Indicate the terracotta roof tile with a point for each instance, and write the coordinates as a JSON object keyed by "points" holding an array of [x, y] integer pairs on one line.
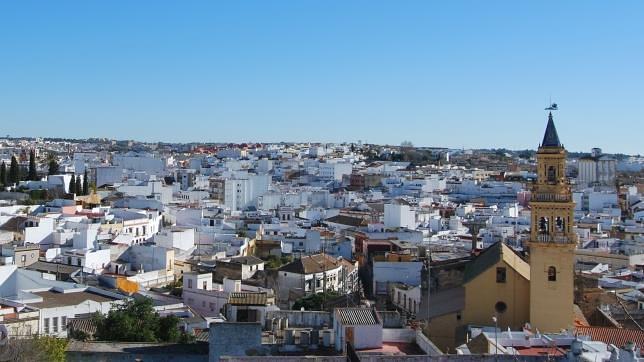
{"points": [[616, 336]]}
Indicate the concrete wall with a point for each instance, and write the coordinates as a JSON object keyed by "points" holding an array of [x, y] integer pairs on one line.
{"points": [[401, 272], [405, 335], [427, 345], [308, 319], [134, 351], [234, 339], [150, 257]]}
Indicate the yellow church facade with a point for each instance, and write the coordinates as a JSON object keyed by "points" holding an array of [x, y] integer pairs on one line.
{"points": [[500, 284]]}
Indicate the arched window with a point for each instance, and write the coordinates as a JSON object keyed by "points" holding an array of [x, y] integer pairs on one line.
{"points": [[560, 224], [552, 274], [552, 174], [543, 225]]}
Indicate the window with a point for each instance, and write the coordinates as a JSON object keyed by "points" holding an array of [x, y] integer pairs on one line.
{"points": [[55, 324], [552, 174], [500, 275], [552, 274], [500, 307], [46, 325], [78, 262], [23, 258], [205, 285], [560, 224], [63, 323], [543, 225], [189, 283]]}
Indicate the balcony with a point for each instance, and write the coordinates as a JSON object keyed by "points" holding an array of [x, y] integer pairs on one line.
{"points": [[554, 239], [549, 197]]}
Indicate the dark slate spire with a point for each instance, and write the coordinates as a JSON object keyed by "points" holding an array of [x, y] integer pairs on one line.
{"points": [[550, 138]]}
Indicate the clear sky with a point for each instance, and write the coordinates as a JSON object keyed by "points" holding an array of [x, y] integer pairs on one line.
{"points": [[438, 73]]}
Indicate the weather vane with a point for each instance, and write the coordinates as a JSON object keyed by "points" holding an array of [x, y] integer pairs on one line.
{"points": [[552, 107]]}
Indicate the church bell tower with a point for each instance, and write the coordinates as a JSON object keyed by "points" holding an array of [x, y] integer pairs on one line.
{"points": [[552, 241]]}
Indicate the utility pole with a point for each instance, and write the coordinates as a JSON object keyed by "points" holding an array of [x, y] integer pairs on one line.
{"points": [[496, 336]]}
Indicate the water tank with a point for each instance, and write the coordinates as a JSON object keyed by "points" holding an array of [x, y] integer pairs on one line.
{"points": [[326, 338]]}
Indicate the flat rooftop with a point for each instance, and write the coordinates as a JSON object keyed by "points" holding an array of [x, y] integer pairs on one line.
{"points": [[395, 349], [56, 299]]}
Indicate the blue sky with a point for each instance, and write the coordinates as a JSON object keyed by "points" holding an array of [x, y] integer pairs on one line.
{"points": [[450, 73]]}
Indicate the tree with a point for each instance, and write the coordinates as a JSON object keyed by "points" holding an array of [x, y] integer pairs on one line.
{"points": [[406, 144], [314, 301], [78, 186], [54, 348], [85, 183], [136, 321], [34, 348], [3, 174], [32, 175], [53, 164], [14, 171], [72, 184], [168, 331]]}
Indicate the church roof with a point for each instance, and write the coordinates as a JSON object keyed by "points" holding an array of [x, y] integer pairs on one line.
{"points": [[550, 138], [490, 257]]}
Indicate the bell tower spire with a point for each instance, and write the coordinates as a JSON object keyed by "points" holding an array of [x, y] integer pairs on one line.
{"points": [[552, 241], [551, 138]]}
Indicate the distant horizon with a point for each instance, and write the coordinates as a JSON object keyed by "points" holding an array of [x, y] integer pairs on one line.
{"points": [[463, 73], [311, 142]]}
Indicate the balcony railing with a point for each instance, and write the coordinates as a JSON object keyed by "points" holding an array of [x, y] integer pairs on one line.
{"points": [[548, 197], [555, 239]]}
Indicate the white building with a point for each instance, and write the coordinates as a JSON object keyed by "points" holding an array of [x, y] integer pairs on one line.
{"points": [[597, 169], [361, 326], [176, 238], [334, 171], [405, 297], [90, 260], [108, 175], [394, 268], [400, 216], [208, 298], [56, 301], [310, 274], [139, 162], [240, 193]]}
